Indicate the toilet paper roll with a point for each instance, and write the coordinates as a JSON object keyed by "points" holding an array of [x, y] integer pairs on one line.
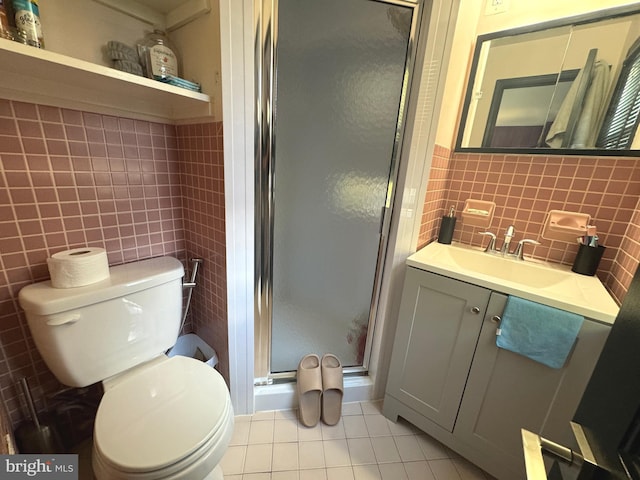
{"points": [[78, 267]]}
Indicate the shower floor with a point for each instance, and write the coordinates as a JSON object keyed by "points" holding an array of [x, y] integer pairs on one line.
{"points": [[298, 331]]}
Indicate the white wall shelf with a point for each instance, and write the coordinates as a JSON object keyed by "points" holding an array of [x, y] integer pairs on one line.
{"points": [[34, 75]]}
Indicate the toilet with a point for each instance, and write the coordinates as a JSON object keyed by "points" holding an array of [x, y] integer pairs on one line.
{"points": [[160, 417]]}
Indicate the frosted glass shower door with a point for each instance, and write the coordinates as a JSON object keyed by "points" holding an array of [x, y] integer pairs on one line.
{"points": [[339, 81]]}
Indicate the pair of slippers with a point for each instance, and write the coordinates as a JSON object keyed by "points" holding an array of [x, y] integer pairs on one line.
{"points": [[320, 389]]}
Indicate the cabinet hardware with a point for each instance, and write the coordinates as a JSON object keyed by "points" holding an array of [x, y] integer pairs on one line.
{"points": [[496, 319], [475, 310]]}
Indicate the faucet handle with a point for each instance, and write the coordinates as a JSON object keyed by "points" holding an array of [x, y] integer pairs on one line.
{"points": [[491, 246], [519, 253]]}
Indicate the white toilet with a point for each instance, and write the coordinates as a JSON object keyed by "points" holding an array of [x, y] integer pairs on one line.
{"points": [[160, 417]]}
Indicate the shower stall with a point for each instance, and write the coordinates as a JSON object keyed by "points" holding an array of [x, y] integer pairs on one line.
{"points": [[332, 80]]}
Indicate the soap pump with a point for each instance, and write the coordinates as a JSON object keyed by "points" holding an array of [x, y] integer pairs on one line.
{"points": [[447, 226]]}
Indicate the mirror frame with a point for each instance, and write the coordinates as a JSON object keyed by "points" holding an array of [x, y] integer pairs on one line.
{"points": [[583, 19]]}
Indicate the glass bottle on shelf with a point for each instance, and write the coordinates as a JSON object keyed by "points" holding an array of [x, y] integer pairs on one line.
{"points": [[27, 18], [160, 58]]}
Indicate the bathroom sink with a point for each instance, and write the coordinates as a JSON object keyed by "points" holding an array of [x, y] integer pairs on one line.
{"points": [[527, 272], [547, 283]]}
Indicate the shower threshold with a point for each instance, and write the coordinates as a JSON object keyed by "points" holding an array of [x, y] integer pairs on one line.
{"points": [[282, 395]]}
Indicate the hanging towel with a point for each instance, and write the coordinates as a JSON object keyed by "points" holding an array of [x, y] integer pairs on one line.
{"points": [[586, 130], [542, 333]]}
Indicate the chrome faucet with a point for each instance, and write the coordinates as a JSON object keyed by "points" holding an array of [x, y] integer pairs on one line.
{"points": [[491, 246], [508, 235], [519, 251]]}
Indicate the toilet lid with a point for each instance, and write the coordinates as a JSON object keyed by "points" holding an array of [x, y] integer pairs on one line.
{"points": [[159, 414]]}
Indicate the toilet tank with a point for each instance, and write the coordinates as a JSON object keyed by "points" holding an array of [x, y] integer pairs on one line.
{"points": [[88, 334]]}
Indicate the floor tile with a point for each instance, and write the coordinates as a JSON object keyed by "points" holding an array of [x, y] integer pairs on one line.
{"points": [[266, 415], [467, 470], [233, 460], [432, 448], [285, 457], [311, 455], [361, 451], [366, 472], [364, 445], [385, 450], [444, 469], [240, 433], [355, 426], [306, 434], [371, 408], [315, 474], [332, 432], [418, 471], [402, 427], [291, 475], [392, 471], [340, 473], [377, 425], [256, 476], [286, 414], [352, 408], [258, 458], [261, 432], [336, 453], [285, 430], [409, 448]]}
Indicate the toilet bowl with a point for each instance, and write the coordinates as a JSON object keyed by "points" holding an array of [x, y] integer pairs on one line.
{"points": [[160, 417], [169, 418]]}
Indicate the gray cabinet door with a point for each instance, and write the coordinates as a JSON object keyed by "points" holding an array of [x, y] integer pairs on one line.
{"points": [[438, 327], [507, 392]]}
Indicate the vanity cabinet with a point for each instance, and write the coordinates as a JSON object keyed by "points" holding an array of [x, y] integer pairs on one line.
{"points": [[434, 344], [448, 377]]}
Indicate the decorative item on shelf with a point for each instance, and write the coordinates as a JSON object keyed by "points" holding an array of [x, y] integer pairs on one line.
{"points": [[27, 18], [447, 225], [161, 61], [180, 82], [478, 213], [124, 57], [565, 226], [159, 56]]}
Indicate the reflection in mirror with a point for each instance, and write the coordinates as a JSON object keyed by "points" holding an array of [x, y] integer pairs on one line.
{"points": [[522, 109], [570, 86]]}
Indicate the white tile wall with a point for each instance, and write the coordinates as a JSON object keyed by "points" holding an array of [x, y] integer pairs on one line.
{"points": [[364, 445]]}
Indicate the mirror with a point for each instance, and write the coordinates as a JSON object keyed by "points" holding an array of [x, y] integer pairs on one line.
{"points": [[571, 87]]}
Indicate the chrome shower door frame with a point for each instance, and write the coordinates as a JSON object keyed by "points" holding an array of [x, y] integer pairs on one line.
{"points": [[266, 28]]}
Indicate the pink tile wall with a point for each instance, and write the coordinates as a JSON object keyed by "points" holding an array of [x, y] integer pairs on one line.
{"points": [[525, 188], [70, 179], [202, 178]]}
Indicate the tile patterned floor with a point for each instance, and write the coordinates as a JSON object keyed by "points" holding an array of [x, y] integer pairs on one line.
{"points": [[364, 445]]}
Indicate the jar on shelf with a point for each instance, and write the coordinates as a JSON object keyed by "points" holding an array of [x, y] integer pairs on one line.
{"points": [[159, 56], [5, 26], [27, 18]]}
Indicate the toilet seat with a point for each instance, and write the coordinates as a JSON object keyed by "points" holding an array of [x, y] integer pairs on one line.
{"points": [[164, 419]]}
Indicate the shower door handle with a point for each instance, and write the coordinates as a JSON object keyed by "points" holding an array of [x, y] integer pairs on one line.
{"points": [[381, 226]]}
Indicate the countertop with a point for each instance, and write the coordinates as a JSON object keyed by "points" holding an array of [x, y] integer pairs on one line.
{"points": [[550, 284]]}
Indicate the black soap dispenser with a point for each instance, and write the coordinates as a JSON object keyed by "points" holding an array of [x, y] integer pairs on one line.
{"points": [[447, 226]]}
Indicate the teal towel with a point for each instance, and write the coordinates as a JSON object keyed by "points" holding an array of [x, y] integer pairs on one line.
{"points": [[544, 334]]}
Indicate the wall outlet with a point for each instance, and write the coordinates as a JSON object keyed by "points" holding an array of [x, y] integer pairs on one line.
{"points": [[496, 6]]}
